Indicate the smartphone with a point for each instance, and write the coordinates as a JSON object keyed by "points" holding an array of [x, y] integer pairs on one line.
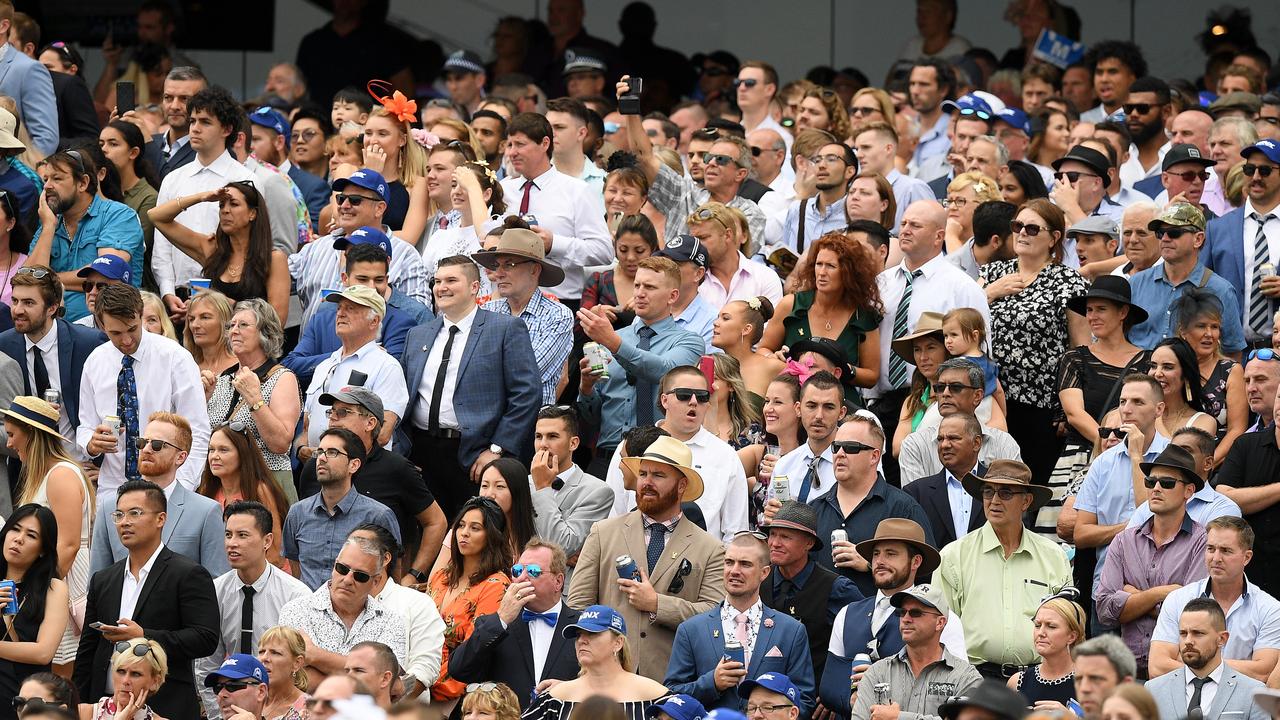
{"points": [[707, 365], [357, 378], [126, 97], [629, 104], [99, 625]]}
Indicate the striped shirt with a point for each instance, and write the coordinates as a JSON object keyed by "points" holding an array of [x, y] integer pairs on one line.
{"points": [[550, 327], [318, 266]]}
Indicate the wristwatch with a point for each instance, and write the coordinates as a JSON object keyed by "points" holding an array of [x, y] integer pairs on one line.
{"points": [[496, 449], [257, 406], [418, 575]]}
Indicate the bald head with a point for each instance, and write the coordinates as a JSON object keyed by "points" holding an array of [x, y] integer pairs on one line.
{"points": [[921, 234], [768, 153], [1192, 127]]}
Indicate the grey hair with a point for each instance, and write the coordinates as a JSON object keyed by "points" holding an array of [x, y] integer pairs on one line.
{"points": [[270, 334], [976, 377], [1245, 131], [1002, 152], [1144, 206], [184, 73], [366, 546], [298, 77], [1113, 649]]}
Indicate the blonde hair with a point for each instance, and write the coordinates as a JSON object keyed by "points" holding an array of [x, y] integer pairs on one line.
{"points": [[43, 452], [156, 658], [501, 701], [741, 412], [292, 641], [152, 302], [1139, 697], [663, 266], [984, 187], [413, 159], [221, 307], [970, 321], [464, 132], [882, 98], [1072, 615]]}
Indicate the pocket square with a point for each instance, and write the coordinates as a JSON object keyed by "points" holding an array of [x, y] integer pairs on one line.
{"points": [[773, 652]]}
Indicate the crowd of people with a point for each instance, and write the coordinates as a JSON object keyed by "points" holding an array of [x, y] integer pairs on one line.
{"points": [[594, 381]]}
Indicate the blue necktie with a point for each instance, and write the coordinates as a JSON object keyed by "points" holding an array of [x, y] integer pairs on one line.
{"points": [[530, 617], [127, 402], [809, 477], [657, 541], [645, 408]]}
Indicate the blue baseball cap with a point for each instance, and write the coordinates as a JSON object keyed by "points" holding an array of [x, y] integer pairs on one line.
{"points": [[272, 120], [685, 248], [367, 235], [597, 618], [1014, 118], [364, 178], [1266, 147], [678, 707], [112, 267], [970, 105], [238, 667], [773, 682]]}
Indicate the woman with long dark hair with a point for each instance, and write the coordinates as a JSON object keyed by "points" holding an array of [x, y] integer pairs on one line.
{"points": [[1174, 366], [235, 471], [46, 688], [30, 559], [506, 482], [471, 584], [782, 434], [124, 145], [238, 258], [1020, 181], [15, 240]]}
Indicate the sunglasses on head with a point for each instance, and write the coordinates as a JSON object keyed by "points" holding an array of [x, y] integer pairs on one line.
{"points": [[1166, 483], [139, 649], [718, 159], [1173, 232], [1140, 108], [35, 705], [1262, 354], [1106, 432], [482, 687], [532, 569], [849, 447], [156, 444], [358, 575], [1190, 175], [954, 388], [982, 114], [749, 82], [1262, 170], [1031, 229], [1072, 176], [914, 613], [686, 394], [37, 273]]}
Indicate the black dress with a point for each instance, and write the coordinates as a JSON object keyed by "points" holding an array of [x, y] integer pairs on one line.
{"points": [[1034, 688], [27, 627]]}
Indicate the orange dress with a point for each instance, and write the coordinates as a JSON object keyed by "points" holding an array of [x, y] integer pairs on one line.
{"points": [[459, 617], [274, 554]]}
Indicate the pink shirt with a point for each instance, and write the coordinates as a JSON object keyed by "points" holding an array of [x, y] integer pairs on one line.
{"points": [[751, 280]]}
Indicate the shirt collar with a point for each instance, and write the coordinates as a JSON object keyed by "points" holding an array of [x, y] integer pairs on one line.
{"points": [[960, 480], [146, 567], [360, 351], [659, 327], [571, 476], [1216, 675], [990, 541], [47, 343], [1147, 528], [465, 323], [1195, 277], [799, 580], [669, 524]]}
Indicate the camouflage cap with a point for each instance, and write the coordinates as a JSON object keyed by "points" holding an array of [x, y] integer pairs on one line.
{"points": [[1179, 215]]}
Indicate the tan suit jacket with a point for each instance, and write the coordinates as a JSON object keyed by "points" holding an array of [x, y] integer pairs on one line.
{"points": [[595, 582]]}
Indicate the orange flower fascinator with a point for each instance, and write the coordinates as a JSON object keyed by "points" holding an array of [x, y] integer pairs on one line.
{"points": [[396, 104]]}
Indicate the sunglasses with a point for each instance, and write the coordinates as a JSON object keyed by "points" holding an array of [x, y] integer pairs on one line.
{"points": [[983, 114], [304, 136], [156, 444], [233, 686], [954, 388], [1166, 483], [749, 82], [35, 705], [1263, 354], [482, 687], [1072, 176], [1031, 229], [1106, 432], [355, 200], [9, 210], [757, 151], [37, 273], [533, 570], [677, 583], [685, 394], [849, 447], [1173, 233], [1140, 108], [341, 413], [1004, 493], [718, 159], [706, 134], [1190, 175], [96, 286], [1271, 120], [139, 650], [914, 613], [863, 111], [1262, 170], [359, 575]]}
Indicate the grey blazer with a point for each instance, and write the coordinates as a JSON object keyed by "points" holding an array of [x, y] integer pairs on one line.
{"points": [[1233, 701], [193, 528]]}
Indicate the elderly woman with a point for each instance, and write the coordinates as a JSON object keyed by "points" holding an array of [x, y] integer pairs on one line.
{"points": [[258, 392], [600, 641], [1031, 328], [1057, 627], [1199, 322], [205, 334], [964, 195], [138, 669]]}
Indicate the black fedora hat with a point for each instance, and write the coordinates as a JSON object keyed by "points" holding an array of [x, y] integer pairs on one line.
{"points": [[1113, 288], [1176, 458], [1088, 156]]}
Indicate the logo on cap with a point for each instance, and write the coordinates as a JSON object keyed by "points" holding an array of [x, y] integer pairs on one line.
{"points": [[360, 233], [1193, 152], [1266, 144], [231, 661], [674, 243], [677, 700], [591, 615], [359, 174]]}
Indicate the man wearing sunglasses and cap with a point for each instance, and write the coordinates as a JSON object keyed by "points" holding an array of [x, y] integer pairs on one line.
{"points": [[680, 568], [1080, 187], [996, 576], [240, 686]]}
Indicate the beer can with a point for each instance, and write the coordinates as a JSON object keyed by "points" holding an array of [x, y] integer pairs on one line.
{"points": [[113, 421], [839, 535], [781, 485], [883, 693], [627, 569], [597, 358], [1267, 269], [858, 661], [11, 607], [53, 397], [733, 650]]}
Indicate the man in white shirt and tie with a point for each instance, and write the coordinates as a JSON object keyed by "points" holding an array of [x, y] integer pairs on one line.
{"points": [[821, 410], [567, 214]]}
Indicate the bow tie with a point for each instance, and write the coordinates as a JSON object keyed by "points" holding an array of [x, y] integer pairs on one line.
{"points": [[530, 616]]}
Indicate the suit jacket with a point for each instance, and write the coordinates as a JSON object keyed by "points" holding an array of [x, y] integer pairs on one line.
{"points": [[1151, 187], [595, 582], [565, 516], [31, 87], [496, 654], [77, 117], [193, 528], [315, 191], [498, 389], [699, 646], [177, 608], [931, 493], [939, 186], [1224, 249], [1233, 701], [154, 152], [75, 342]]}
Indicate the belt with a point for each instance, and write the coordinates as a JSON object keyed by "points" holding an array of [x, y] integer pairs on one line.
{"points": [[1005, 670], [442, 433]]}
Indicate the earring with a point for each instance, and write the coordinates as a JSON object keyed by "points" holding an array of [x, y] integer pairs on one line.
{"points": [[1186, 390]]}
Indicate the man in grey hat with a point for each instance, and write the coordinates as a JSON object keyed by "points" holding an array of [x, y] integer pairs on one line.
{"points": [[520, 268], [1097, 238], [921, 676], [990, 700]]}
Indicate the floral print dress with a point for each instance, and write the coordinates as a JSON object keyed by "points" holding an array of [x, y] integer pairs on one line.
{"points": [[482, 598]]}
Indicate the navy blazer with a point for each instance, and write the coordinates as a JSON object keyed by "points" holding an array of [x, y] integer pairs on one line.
{"points": [[77, 117], [834, 689], [493, 653], [315, 191], [1151, 187], [154, 151], [498, 390], [1224, 249], [781, 647], [75, 342], [931, 493]]}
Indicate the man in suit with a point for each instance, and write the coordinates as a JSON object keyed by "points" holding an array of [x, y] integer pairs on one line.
{"points": [[474, 391], [771, 641], [566, 500], [522, 644], [952, 512], [194, 526], [1206, 684], [153, 593], [680, 566], [170, 150], [29, 84]]}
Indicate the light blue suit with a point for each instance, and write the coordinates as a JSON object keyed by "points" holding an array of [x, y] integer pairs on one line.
{"points": [[193, 528], [1224, 249], [1233, 700], [29, 84], [781, 647]]}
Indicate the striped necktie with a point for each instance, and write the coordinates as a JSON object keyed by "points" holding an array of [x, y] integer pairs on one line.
{"points": [[1259, 304], [898, 366]]}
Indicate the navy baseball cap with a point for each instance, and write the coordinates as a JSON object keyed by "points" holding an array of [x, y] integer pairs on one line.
{"points": [[238, 667], [113, 267], [597, 618], [463, 61], [685, 248], [367, 235], [364, 178], [1014, 118], [970, 105], [271, 119], [677, 707], [1266, 147], [773, 682]]}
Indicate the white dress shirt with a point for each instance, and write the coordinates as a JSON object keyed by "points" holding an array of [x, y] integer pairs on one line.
{"points": [[49, 350], [952, 635], [574, 213], [752, 280], [540, 636], [960, 502], [1272, 230], [168, 379], [1132, 170], [170, 266], [422, 413], [386, 379], [795, 465], [424, 628], [1210, 689], [940, 288]]}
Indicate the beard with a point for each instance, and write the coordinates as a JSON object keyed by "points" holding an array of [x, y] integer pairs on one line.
{"points": [[897, 579], [1146, 131], [154, 467], [1195, 659], [653, 506]]}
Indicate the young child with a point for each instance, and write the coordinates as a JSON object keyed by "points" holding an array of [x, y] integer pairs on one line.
{"points": [[964, 333], [351, 104]]}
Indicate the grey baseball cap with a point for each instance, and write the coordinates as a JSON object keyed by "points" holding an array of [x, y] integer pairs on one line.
{"points": [[1095, 225], [365, 398], [930, 595]]}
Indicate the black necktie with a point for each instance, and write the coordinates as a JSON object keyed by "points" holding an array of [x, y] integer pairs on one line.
{"points": [[1197, 686], [40, 371], [437, 390], [246, 620], [657, 541], [786, 593], [644, 389]]}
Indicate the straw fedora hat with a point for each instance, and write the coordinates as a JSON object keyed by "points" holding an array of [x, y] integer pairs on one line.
{"points": [[906, 531], [670, 451], [34, 412], [526, 244], [930, 323]]}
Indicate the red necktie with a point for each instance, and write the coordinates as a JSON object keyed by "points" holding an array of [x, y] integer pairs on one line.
{"points": [[524, 200]]}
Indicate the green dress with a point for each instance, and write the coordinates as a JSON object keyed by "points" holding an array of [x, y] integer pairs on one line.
{"points": [[862, 322]]}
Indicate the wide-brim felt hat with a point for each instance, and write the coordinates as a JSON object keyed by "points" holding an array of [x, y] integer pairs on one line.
{"points": [[1113, 288], [1011, 473], [904, 531]]}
